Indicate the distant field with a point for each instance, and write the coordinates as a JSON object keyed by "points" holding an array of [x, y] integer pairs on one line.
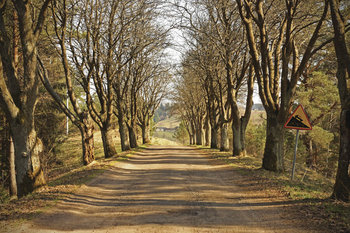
{"points": [[171, 122], [164, 142], [257, 117]]}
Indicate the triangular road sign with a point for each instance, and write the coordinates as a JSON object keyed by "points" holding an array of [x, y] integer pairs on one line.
{"points": [[298, 120]]}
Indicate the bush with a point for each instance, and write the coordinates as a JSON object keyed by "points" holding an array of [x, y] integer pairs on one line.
{"points": [[255, 138], [50, 125]]}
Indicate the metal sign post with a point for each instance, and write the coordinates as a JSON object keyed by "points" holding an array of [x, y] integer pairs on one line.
{"points": [[298, 120], [295, 154]]}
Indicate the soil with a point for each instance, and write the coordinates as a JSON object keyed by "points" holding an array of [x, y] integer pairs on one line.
{"points": [[171, 189]]}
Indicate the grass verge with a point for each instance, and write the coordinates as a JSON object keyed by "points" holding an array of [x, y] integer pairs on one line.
{"points": [[64, 179], [309, 188]]}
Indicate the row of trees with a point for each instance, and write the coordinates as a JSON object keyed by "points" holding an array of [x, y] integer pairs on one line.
{"points": [[108, 56], [278, 44]]}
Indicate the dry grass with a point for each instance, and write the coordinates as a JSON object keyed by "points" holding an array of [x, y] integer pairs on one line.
{"points": [[163, 142], [309, 188], [257, 117], [64, 178], [171, 122], [69, 153]]}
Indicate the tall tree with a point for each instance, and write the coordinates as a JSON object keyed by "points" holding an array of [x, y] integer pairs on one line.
{"points": [[150, 96], [189, 95], [18, 92], [221, 31], [79, 117], [282, 39], [319, 95], [228, 40], [94, 29], [150, 41], [341, 189]]}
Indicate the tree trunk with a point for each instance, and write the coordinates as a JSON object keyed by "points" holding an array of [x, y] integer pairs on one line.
{"points": [[311, 159], [273, 153], [132, 136], [28, 147], [341, 190], [146, 138], [238, 131], [207, 132], [214, 140], [124, 138], [193, 129], [107, 140], [243, 131], [87, 136], [199, 135], [224, 142], [207, 136], [13, 184]]}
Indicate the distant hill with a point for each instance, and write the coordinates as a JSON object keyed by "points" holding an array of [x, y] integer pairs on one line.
{"points": [[162, 112], [170, 123], [258, 107]]}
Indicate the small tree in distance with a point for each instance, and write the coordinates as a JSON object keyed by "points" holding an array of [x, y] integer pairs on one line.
{"points": [[181, 133]]}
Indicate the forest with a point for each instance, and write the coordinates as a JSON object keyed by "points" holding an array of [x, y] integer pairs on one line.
{"points": [[104, 66]]}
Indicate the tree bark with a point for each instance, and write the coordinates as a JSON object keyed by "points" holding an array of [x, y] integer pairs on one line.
{"points": [[341, 190], [132, 136], [28, 147], [13, 184], [273, 153], [311, 159], [214, 140], [193, 129], [207, 131], [146, 138], [124, 138], [238, 131], [107, 140], [243, 131], [87, 137], [224, 141], [191, 139], [199, 135]]}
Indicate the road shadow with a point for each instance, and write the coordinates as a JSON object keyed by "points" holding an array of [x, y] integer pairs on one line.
{"points": [[171, 187]]}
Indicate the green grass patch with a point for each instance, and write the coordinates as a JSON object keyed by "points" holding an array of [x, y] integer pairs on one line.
{"points": [[4, 196]]}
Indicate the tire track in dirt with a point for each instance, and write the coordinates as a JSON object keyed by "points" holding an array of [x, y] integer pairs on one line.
{"points": [[168, 189]]}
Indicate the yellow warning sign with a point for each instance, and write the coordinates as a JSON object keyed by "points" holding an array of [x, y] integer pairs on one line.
{"points": [[298, 120]]}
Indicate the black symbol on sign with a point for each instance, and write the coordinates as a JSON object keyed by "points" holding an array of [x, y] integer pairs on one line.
{"points": [[296, 121]]}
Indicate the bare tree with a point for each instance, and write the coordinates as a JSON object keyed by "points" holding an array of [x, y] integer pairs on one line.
{"points": [[150, 40], [231, 46], [101, 47], [220, 30], [281, 38], [189, 95], [78, 116], [18, 92], [149, 98], [341, 189]]}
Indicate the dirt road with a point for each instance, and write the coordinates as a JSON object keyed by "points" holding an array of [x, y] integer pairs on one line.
{"points": [[176, 189]]}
